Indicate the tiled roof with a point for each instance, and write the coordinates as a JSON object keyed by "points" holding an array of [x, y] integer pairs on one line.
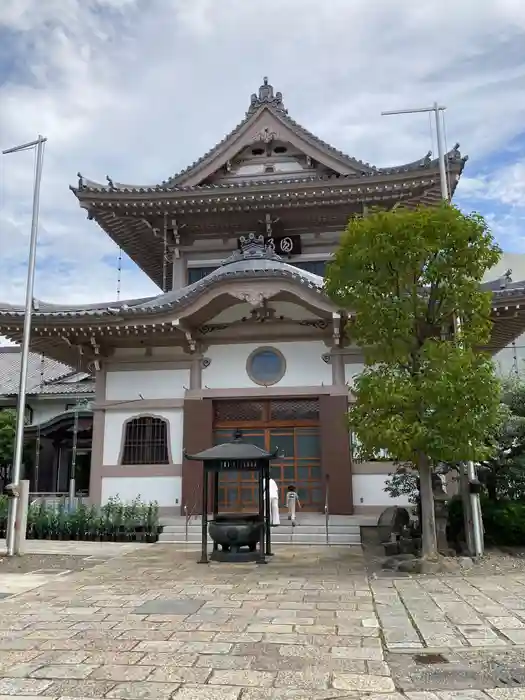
{"points": [[266, 99], [81, 387], [255, 261], [50, 371], [252, 263]]}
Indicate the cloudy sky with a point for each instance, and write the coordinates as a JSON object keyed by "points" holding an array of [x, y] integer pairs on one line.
{"points": [[138, 89]]}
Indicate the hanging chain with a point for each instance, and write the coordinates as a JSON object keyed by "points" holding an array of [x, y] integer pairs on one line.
{"points": [[515, 367], [165, 255], [75, 423], [38, 430], [119, 273]]}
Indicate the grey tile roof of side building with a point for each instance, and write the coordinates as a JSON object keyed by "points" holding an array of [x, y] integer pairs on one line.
{"points": [[53, 371]]}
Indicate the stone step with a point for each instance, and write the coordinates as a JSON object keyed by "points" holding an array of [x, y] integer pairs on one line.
{"points": [[293, 538], [285, 528], [309, 518]]}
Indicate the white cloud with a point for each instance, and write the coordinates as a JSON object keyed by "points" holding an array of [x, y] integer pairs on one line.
{"points": [[139, 89]]}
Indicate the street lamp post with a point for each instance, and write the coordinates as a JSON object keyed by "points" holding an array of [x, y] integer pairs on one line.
{"points": [[21, 401], [473, 517]]}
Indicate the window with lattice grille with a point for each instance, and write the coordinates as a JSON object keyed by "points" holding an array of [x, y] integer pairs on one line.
{"points": [[294, 409], [145, 441], [231, 411]]}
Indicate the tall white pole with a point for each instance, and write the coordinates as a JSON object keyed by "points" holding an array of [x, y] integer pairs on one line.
{"points": [[21, 402], [441, 153], [472, 506]]}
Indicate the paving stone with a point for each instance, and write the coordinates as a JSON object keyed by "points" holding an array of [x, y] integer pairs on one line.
{"points": [[163, 646], [23, 686], [74, 671], [263, 679], [294, 694], [237, 637], [167, 606], [461, 695], [506, 693], [77, 689], [506, 622], [271, 628], [207, 647], [143, 691], [122, 673], [165, 659], [207, 692], [304, 680], [360, 683], [225, 661], [310, 652], [357, 653]]}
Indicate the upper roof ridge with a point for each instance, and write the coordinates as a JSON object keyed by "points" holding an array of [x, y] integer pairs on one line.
{"points": [[266, 97]]}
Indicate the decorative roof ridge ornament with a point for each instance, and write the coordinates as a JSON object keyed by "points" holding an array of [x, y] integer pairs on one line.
{"points": [[266, 97], [253, 247]]}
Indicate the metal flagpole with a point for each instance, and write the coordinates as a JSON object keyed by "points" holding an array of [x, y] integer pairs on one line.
{"points": [[472, 506], [21, 402]]}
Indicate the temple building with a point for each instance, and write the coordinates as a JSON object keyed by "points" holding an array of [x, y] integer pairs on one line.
{"points": [[242, 335]]}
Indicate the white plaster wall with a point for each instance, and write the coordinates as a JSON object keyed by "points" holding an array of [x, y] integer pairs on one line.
{"points": [[304, 365], [368, 490], [149, 383], [351, 370], [166, 490], [113, 432]]}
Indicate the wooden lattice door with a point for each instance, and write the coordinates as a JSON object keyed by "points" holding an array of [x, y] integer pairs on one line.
{"points": [[291, 427]]}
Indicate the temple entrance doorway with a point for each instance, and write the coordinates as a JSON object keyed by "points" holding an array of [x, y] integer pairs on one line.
{"points": [[289, 425]]}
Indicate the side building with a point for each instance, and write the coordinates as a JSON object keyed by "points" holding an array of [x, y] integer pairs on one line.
{"points": [[242, 335], [58, 420]]}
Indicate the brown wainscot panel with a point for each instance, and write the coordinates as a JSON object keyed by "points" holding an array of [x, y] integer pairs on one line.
{"points": [[198, 436], [335, 453]]}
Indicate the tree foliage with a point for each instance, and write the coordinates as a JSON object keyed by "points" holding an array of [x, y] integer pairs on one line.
{"points": [[404, 276], [7, 437], [503, 473]]}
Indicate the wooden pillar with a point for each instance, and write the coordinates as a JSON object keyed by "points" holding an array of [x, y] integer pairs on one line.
{"points": [[196, 372], [335, 453], [338, 368], [197, 436]]}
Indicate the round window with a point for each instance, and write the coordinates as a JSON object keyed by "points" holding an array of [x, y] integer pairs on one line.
{"points": [[266, 366]]}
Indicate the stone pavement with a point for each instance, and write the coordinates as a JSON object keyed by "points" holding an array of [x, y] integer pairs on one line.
{"points": [[153, 624]]}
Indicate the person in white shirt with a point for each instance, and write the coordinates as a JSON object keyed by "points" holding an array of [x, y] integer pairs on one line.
{"points": [[275, 519]]}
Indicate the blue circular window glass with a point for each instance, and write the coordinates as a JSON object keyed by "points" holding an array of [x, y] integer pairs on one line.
{"points": [[266, 366]]}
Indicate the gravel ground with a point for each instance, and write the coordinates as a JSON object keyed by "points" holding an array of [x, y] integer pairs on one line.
{"points": [[495, 562], [45, 563]]}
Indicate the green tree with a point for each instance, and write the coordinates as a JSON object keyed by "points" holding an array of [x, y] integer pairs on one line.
{"points": [[503, 473], [423, 396], [7, 440]]}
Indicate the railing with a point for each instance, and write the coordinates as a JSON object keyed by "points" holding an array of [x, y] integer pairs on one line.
{"points": [[188, 514], [57, 498], [326, 509]]}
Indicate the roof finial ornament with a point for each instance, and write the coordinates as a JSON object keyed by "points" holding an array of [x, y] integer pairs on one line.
{"points": [[266, 96]]}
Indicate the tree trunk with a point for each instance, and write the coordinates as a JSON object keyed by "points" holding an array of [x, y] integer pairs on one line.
{"points": [[428, 516]]}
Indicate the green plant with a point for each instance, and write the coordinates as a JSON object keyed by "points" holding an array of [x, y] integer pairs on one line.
{"points": [[152, 521], [424, 397]]}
